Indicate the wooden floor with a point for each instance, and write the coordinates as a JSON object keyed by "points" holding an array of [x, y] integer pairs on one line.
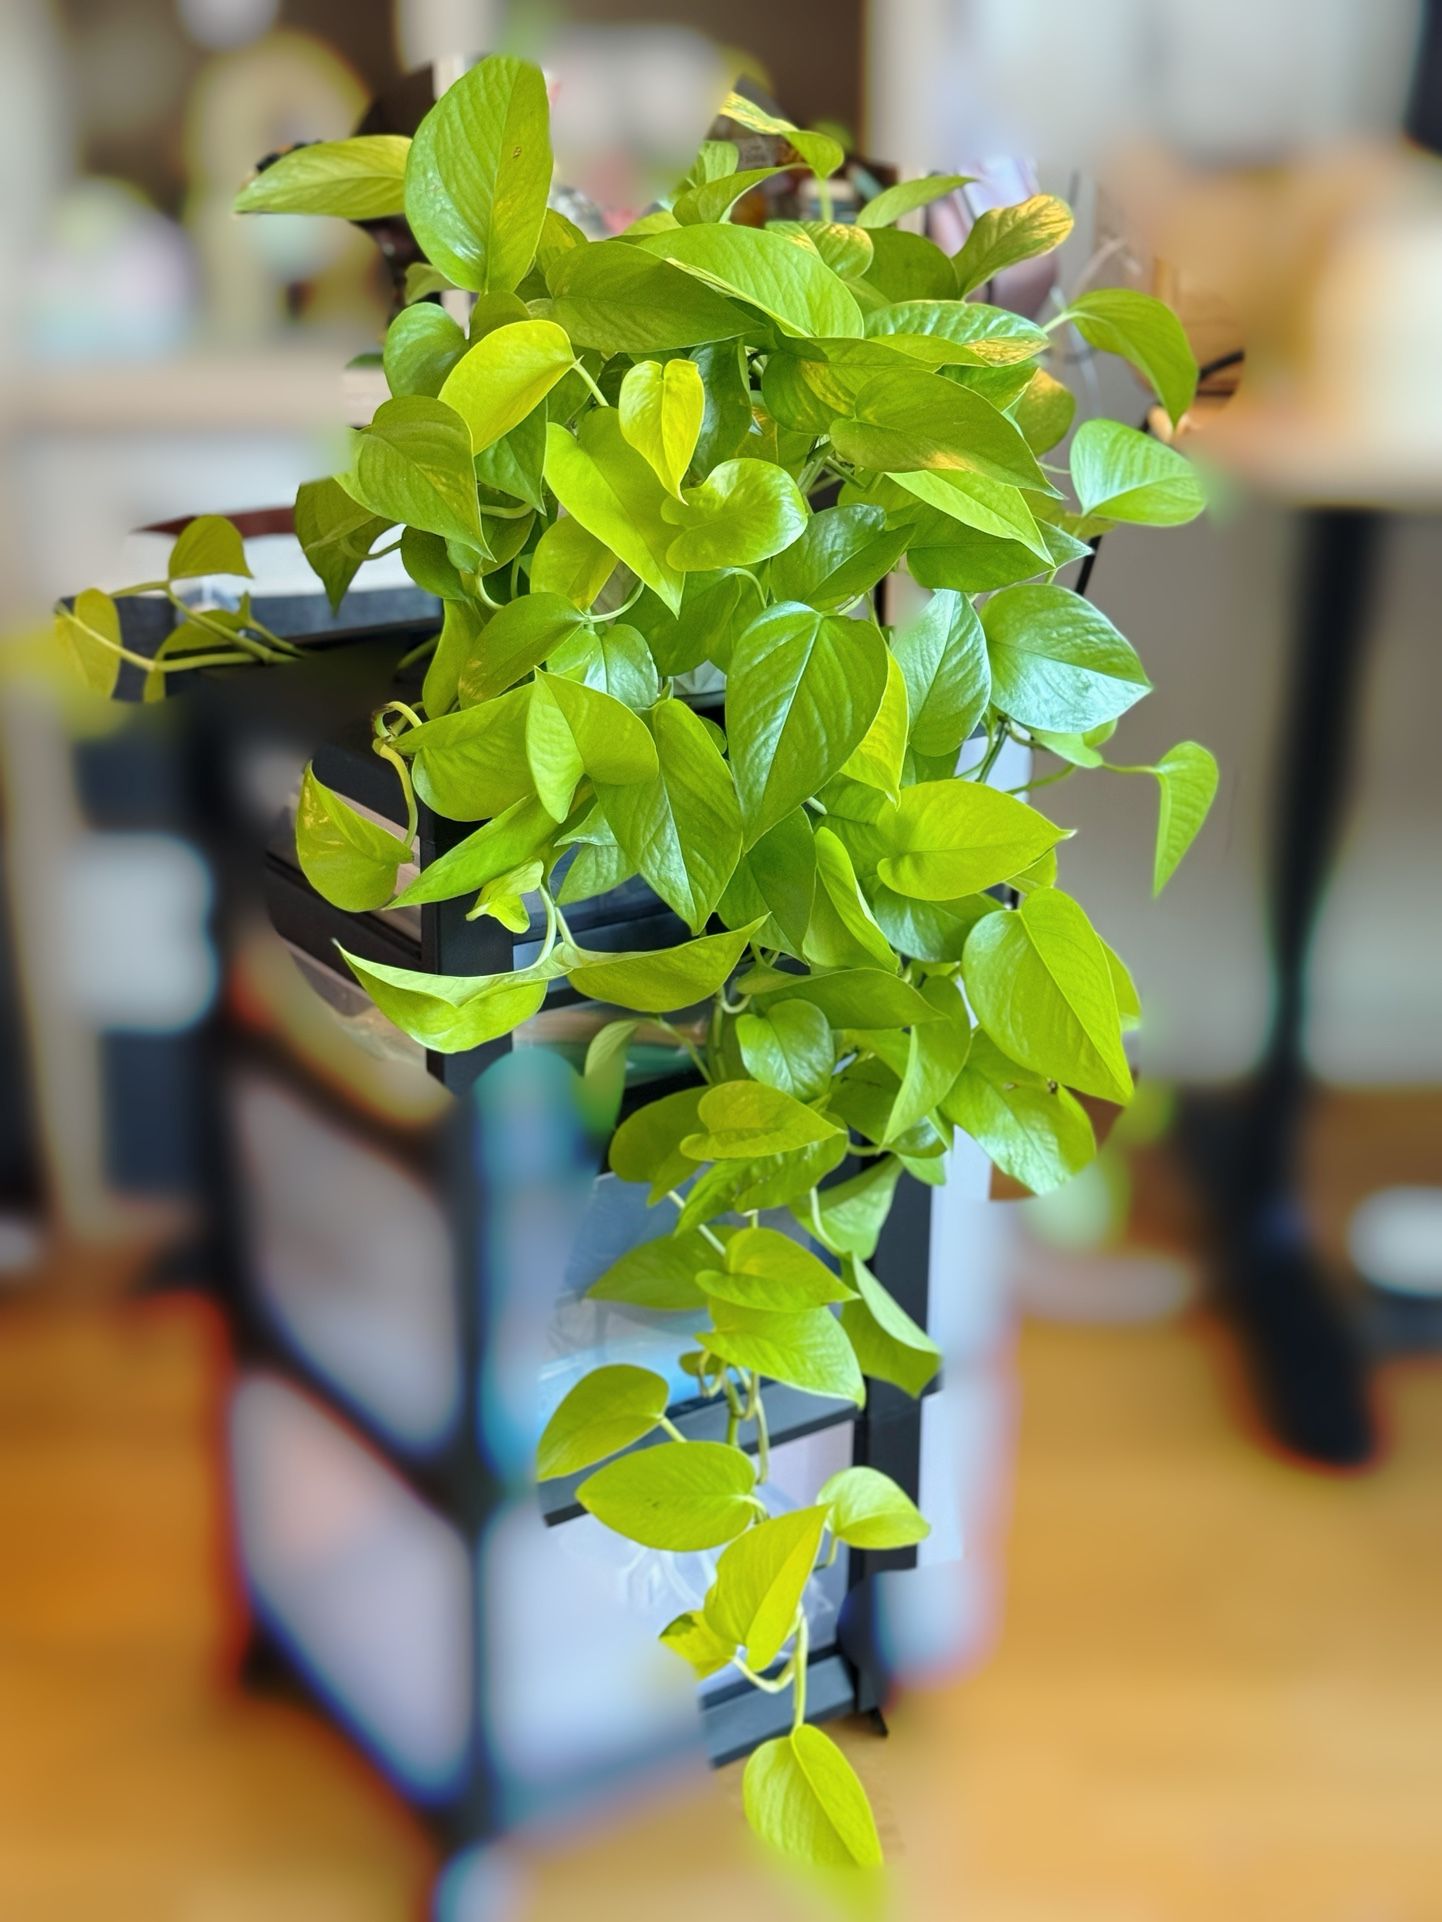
{"points": [[1218, 1692]]}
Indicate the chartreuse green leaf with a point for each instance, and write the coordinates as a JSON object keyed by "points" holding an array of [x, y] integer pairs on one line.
{"points": [[956, 333], [859, 998], [1034, 1130], [742, 513], [727, 421], [760, 1580], [558, 237], [1144, 331], [426, 558], [413, 464], [518, 637], [807, 384], [782, 867], [868, 1510], [504, 376], [907, 267], [1044, 411], [518, 835], [818, 151], [943, 662], [602, 481], [789, 1047], [690, 1637], [990, 506], [681, 827], [802, 1796], [1187, 777], [928, 930], [661, 408], [603, 1076], [570, 561], [572, 730], [1129, 1002], [615, 298], [336, 534], [660, 1273], [769, 1271], [449, 1012], [842, 932], [422, 345], [738, 1120], [503, 898], [1039, 984], [606, 1411], [715, 160], [656, 981], [949, 838], [887, 1342], [846, 249], [358, 179], [613, 658], [808, 1350], [894, 203], [471, 765], [677, 1495], [876, 760], [647, 1145], [88, 636], [597, 868], [712, 200], [803, 689], [841, 553], [478, 174], [907, 419], [1056, 661], [1004, 235], [349, 860], [936, 1054], [1121, 475], [854, 1212], [791, 286], [209, 544]]}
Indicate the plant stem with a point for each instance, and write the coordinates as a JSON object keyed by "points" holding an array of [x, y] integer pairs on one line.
{"points": [[763, 1433], [771, 1684], [689, 1045], [552, 916], [592, 385], [388, 753], [1047, 780], [396, 707], [425, 649], [715, 1240], [615, 613], [803, 1650], [671, 1429], [988, 761]]}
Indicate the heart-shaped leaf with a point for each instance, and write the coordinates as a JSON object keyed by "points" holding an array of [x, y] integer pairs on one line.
{"points": [[349, 860], [478, 174], [606, 1411], [505, 376], [868, 1510], [1039, 983], [677, 1495]]}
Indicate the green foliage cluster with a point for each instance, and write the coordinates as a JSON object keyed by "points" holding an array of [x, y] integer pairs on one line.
{"points": [[607, 474]]}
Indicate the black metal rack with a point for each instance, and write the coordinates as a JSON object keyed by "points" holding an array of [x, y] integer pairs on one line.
{"points": [[226, 731]]}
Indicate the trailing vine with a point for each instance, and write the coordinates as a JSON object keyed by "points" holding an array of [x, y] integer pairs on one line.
{"points": [[610, 475]]}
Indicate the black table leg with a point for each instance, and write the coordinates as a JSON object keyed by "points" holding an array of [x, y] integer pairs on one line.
{"points": [[1305, 1358]]}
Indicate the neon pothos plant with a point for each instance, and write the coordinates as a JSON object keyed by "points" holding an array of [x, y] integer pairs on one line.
{"points": [[608, 476]]}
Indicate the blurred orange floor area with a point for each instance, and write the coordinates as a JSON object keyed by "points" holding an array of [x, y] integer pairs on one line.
{"points": [[1218, 1690]]}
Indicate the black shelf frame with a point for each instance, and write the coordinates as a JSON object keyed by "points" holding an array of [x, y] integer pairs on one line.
{"points": [[355, 660]]}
